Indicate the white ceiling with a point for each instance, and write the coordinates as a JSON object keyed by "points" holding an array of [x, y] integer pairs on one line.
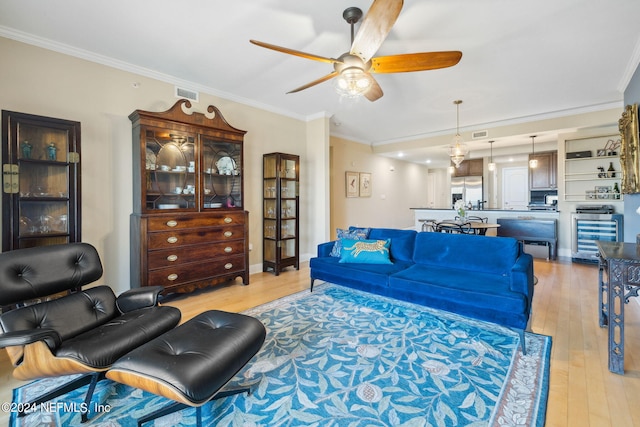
{"points": [[521, 59]]}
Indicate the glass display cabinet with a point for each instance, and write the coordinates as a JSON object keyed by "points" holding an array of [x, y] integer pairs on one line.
{"points": [[281, 212], [176, 179], [188, 228], [41, 181]]}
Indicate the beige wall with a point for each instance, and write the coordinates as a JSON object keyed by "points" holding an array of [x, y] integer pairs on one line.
{"points": [[43, 82], [397, 186]]}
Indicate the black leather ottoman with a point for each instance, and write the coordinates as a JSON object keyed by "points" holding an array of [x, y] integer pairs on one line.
{"points": [[191, 363]]}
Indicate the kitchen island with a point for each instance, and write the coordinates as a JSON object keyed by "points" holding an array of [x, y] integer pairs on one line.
{"points": [[541, 229], [492, 215]]}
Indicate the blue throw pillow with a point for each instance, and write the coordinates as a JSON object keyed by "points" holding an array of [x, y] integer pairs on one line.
{"points": [[365, 251], [356, 234]]}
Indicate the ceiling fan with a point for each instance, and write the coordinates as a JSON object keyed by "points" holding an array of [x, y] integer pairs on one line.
{"points": [[353, 69]]}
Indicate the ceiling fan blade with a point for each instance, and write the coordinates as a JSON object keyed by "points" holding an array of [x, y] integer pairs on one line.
{"points": [[415, 62], [374, 92], [294, 52], [375, 27], [315, 82]]}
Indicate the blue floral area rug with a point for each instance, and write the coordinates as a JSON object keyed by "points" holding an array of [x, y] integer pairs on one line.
{"points": [[339, 357]]}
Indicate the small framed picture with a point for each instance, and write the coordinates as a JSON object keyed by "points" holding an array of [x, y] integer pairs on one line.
{"points": [[365, 184], [352, 184]]}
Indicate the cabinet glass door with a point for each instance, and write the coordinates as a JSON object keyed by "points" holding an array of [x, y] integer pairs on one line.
{"points": [[40, 181], [222, 169], [170, 170]]}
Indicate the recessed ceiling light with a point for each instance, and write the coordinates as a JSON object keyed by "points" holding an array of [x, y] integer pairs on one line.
{"points": [[401, 154]]}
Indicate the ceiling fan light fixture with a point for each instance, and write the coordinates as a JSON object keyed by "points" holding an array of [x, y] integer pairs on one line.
{"points": [[353, 82]]}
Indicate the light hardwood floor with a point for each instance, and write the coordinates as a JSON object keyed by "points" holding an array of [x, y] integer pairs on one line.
{"points": [[582, 391]]}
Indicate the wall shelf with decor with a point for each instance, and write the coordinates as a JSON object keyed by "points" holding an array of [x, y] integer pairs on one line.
{"points": [[281, 212], [592, 170]]}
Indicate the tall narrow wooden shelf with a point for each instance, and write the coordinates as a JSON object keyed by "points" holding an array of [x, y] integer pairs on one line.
{"points": [[281, 212], [41, 181], [188, 228]]}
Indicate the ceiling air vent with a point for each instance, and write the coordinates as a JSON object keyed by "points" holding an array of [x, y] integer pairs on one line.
{"points": [[186, 94], [480, 134]]}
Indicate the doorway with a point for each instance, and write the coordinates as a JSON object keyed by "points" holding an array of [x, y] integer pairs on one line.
{"points": [[515, 188]]}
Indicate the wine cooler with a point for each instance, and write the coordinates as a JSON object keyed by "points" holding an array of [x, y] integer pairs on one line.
{"points": [[591, 223]]}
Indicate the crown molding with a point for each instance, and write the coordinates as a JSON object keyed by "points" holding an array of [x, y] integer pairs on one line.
{"points": [[75, 52]]}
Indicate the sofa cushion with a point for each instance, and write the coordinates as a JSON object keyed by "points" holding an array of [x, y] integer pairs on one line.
{"points": [[481, 295], [355, 275], [355, 233], [402, 242], [365, 251], [466, 252]]}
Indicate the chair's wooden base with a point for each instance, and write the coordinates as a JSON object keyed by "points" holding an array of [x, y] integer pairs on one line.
{"points": [[39, 362]]}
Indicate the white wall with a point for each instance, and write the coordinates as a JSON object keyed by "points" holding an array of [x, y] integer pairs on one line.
{"points": [[397, 186], [51, 84]]}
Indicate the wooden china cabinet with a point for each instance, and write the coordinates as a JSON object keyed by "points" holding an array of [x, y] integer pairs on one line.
{"points": [[188, 228], [41, 181]]}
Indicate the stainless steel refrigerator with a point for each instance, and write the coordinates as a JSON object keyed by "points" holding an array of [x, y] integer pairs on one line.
{"points": [[467, 188]]}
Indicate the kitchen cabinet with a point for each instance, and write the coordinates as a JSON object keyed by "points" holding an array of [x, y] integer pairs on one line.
{"points": [[188, 228], [41, 181], [472, 167], [281, 212], [545, 175]]}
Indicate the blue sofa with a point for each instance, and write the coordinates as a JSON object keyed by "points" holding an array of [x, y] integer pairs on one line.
{"points": [[486, 278]]}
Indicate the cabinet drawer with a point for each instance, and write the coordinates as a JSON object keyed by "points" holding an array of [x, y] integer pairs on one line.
{"points": [[173, 222], [184, 273], [196, 253], [169, 239]]}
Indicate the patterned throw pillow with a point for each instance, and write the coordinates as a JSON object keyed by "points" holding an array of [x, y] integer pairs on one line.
{"points": [[365, 251], [355, 233]]}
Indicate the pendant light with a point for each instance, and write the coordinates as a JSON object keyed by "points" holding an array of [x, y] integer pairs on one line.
{"points": [[458, 148], [533, 163], [491, 165]]}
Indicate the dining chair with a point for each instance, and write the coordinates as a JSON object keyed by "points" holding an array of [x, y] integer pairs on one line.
{"points": [[428, 224], [473, 218], [454, 227]]}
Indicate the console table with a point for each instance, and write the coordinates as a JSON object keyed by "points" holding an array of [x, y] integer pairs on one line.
{"points": [[619, 280]]}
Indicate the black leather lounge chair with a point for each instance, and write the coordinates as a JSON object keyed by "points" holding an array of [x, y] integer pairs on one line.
{"points": [[82, 332]]}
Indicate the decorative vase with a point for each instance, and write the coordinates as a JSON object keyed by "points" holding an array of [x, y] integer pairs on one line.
{"points": [[26, 150], [52, 151]]}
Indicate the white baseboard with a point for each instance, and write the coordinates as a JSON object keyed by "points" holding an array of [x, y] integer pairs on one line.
{"points": [[257, 268]]}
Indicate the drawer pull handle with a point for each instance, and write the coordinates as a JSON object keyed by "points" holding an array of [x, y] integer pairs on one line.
{"points": [[172, 223], [228, 234], [228, 220], [228, 266], [172, 277], [172, 239], [172, 258], [228, 249]]}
